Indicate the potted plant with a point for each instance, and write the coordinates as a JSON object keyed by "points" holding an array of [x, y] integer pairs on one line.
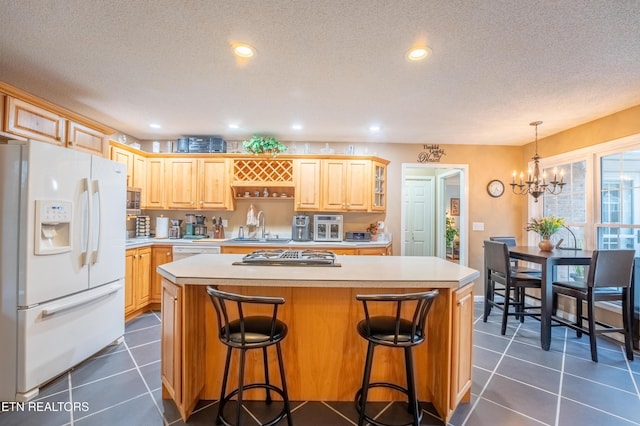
{"points": [[451, 232], [545, 227], [263, 144]]}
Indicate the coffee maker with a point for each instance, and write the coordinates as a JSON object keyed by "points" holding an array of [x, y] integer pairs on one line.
{"points": [[300, 228], [199, 229], [174, 230]]}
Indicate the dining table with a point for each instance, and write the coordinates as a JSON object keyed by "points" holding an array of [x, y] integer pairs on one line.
{"points": [[548, 261]]}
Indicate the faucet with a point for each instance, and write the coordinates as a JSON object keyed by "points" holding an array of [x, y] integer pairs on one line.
{"points": [[262, 216]]}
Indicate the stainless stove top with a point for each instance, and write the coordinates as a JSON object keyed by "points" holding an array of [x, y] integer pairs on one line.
{"points": [[290, 258]]}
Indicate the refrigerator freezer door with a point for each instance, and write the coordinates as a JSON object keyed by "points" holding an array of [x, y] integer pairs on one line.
{"points": [[55, 336], [107, 224], [53, 173]]}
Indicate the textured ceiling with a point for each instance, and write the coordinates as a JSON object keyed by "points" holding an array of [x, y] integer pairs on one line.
{"points": [[337, 67]]}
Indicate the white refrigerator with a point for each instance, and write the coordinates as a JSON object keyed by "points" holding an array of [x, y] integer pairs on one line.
{"points": [[62, 251]]}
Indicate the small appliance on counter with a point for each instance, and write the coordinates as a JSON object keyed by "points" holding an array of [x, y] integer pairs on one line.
{"points": [[143, 226], [357, 236], [175, 231], [192, 226], [162, 227], [199, 229], [300, 228], [327, 227]]}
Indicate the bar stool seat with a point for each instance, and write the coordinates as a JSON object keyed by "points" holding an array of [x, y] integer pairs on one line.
{"points": [[398, 332], [245, 333]]}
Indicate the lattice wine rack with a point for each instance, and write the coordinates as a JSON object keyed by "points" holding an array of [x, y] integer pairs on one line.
{"points": [[272, 172]]}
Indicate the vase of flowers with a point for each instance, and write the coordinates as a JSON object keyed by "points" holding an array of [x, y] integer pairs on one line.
{"points": [[545, 227], [373, 230]]}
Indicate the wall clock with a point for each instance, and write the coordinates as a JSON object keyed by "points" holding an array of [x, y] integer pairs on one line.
{"points": [[495, 188]]}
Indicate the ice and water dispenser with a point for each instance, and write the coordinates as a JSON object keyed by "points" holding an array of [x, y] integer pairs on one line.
{"points": [[53, 227]]}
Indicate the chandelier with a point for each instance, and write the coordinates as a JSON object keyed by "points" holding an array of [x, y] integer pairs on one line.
{"points": [[536, 183]]}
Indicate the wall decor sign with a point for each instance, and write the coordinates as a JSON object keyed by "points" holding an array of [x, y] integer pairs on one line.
{"points": [[432, 154], [455, 207]]}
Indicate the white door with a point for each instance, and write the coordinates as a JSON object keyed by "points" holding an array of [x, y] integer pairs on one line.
{"points": [[419, 217], [59, 174], [107, 224]]}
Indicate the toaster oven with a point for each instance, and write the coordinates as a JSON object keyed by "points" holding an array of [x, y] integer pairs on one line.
{"points": [[327, 227]]}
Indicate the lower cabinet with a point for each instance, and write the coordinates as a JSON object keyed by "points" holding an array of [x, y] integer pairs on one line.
{"points": [[137, 280], [461, 345], [159, 256]]}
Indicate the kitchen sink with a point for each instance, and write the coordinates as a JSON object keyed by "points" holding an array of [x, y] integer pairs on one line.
{"points": [[261, 240]]}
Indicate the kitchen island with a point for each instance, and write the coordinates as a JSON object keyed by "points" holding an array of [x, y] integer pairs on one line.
{"points": [[323, 354]]}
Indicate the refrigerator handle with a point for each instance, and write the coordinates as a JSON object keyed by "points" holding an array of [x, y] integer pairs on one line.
{"points": [[96, 216], [65, 306], [86, 222]]}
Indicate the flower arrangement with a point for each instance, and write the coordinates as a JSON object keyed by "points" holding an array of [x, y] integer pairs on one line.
{"points": [[372, 229], [451, 231], [545, 227]]}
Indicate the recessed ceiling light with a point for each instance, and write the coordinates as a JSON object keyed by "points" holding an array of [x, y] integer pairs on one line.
{"points": [[374, 128], [296, 126], [418, 53], [234, 126], [243, 50], [155, 126]]}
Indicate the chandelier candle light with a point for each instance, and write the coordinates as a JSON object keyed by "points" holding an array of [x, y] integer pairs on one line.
{"points": [[536, 184]]}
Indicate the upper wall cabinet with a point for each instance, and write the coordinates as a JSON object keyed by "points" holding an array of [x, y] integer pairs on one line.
{"points": [[346, 185], [379, 190], [29, 117], [198, 183]]}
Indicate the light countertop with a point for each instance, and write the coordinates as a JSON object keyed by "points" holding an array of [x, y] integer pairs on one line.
{"points": [[354, 272], [285, 243]]}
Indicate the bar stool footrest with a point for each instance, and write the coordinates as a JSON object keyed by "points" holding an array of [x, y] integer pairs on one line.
{"points": [[221, 420], [358, 403]]}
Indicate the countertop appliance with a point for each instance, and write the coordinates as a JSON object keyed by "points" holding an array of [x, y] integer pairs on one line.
{"points": [[300, 228], [175, 231], [180, 252], [327, 227], [134, 197], [62, 248], [357, 236], [289, 258]]}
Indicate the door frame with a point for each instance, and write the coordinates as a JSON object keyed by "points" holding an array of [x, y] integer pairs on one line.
{"points": [[440, 172]]}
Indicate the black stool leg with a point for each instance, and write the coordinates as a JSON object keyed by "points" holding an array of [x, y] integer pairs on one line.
{"points": [[224, 386], [240, 385], [287, 407], [414, 406], [266, 373], [365, 384]]}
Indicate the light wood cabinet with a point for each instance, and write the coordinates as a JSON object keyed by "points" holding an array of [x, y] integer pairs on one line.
{"points": [[171, 334], [159, 256], [30, 121], [136, 169], [198, 183], [154, 191], [346, 185], [83, 138], [137, 287], [379, 189], [461, 345], [307, 183]]}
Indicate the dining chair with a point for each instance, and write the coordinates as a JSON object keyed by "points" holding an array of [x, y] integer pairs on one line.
{"points": [[503, 281], [511, 242], [610, 278]]}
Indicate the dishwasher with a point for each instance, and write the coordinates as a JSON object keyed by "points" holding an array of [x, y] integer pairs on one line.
{"points": [[180, 252]]}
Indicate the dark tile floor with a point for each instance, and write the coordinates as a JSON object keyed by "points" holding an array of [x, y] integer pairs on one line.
{"points": [[514, 383]]}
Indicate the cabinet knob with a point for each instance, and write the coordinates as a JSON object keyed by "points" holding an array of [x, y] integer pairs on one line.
{"points": [[201, 202], [135, 256], [168, 253]]}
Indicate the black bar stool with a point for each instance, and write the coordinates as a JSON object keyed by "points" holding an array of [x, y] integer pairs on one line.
{"points": [[245, 333], [393, 331]]}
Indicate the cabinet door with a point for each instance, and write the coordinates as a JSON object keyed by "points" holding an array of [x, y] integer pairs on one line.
{"points": [[154, 197], [30, 121], [129, 281], [86, 139], [307, 184], [181, 183], [379, 190], [213, 184], [461, 345], [159, 256], [333, 185], [171, 315], [143, 278], [126, 158], [357, 185], [140, 176]]}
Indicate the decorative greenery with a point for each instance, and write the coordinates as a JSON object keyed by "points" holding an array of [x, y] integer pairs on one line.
{"points": [[263, 144], [451, 232], [372, 229], [545, 227]]}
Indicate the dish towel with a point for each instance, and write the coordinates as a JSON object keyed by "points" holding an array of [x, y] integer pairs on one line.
{"points": [[251, 216]]}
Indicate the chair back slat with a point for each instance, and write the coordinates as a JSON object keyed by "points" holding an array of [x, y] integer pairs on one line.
{"points": [[509, 241], [611, 268]]}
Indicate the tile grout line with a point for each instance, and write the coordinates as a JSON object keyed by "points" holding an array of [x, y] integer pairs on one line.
{"points": [[559, 403], [633, 379]]}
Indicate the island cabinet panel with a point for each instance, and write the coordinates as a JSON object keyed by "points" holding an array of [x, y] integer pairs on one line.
{"points": [[159, 256], [323, 353]]}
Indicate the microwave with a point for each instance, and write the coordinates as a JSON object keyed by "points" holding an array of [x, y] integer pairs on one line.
{"points": [[327, 227], [134, 199]]}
